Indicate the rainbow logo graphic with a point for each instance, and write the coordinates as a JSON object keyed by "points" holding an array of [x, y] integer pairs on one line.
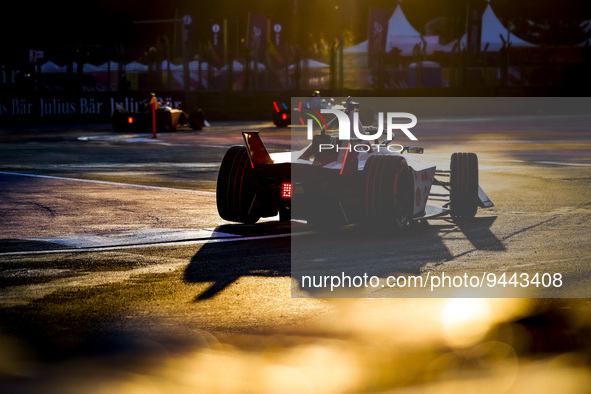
{"points": [[312, 114]]}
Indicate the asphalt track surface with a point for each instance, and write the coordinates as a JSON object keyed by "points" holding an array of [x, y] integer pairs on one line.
{"points": [[118, 274]]}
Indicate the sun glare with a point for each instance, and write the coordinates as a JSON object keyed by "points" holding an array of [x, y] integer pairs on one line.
{"points": [[465, 320]]}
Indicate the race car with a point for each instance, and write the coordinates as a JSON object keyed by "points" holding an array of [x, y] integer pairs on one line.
{"points": [[167, 118], [282, 112], [281, 115], [342, 181]]}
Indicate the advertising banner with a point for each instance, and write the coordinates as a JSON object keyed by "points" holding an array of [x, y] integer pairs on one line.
{"points": [[474, 28], [277, 44], [217, 42], [377, 33], [256, 38]]}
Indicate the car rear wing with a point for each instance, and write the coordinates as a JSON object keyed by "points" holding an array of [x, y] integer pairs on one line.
{"points": [[257, 152]]}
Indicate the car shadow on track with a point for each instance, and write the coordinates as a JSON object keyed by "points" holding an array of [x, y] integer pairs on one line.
{"points": [[364, 252], [478, 232], [355, 250], [262, 252]]}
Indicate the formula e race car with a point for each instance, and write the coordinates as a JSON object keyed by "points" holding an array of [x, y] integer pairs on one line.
{"points": [[167, 118], [282, 114], [341, 181]]}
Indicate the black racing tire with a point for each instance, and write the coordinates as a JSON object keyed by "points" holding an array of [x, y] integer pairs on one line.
{"points": [[235, 190], [280, 122], [197, 119], [387, 191], [464, 185]]}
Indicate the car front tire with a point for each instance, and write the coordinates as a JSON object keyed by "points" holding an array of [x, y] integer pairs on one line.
{"points": [[464, 185]]}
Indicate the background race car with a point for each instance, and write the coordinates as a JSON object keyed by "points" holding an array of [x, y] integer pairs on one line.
{"points": [[281, 114], [167, 118]]}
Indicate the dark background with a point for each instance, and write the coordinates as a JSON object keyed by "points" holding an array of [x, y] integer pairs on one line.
{"points": [[105, 27]]}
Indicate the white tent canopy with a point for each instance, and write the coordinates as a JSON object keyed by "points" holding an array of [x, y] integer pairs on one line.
{"points": [[311, 64], [236, 66], [194, 66], [89, 68], [492, 30], [362, 47], [51, 67], [173, 67], [401, 35], [136, 67]]}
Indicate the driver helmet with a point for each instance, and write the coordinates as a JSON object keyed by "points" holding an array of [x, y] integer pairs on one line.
{"points": [[316, 93]]}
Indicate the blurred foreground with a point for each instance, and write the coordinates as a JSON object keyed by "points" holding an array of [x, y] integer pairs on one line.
{"points": [[373, 345]]}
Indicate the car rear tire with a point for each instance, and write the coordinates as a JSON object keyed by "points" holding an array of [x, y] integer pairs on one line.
{"points": [[464, 185], [388, 191], [235, 191]]}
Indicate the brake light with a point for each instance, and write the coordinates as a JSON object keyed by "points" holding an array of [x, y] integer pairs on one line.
{"points": [[284, 116], [286, 190], [130, 120]]}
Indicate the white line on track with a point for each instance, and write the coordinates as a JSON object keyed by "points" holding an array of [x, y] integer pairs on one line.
{"points": [[555, 163], [217, 146], [563, 164], [185, 237], [155, 245], [105, 182]]}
